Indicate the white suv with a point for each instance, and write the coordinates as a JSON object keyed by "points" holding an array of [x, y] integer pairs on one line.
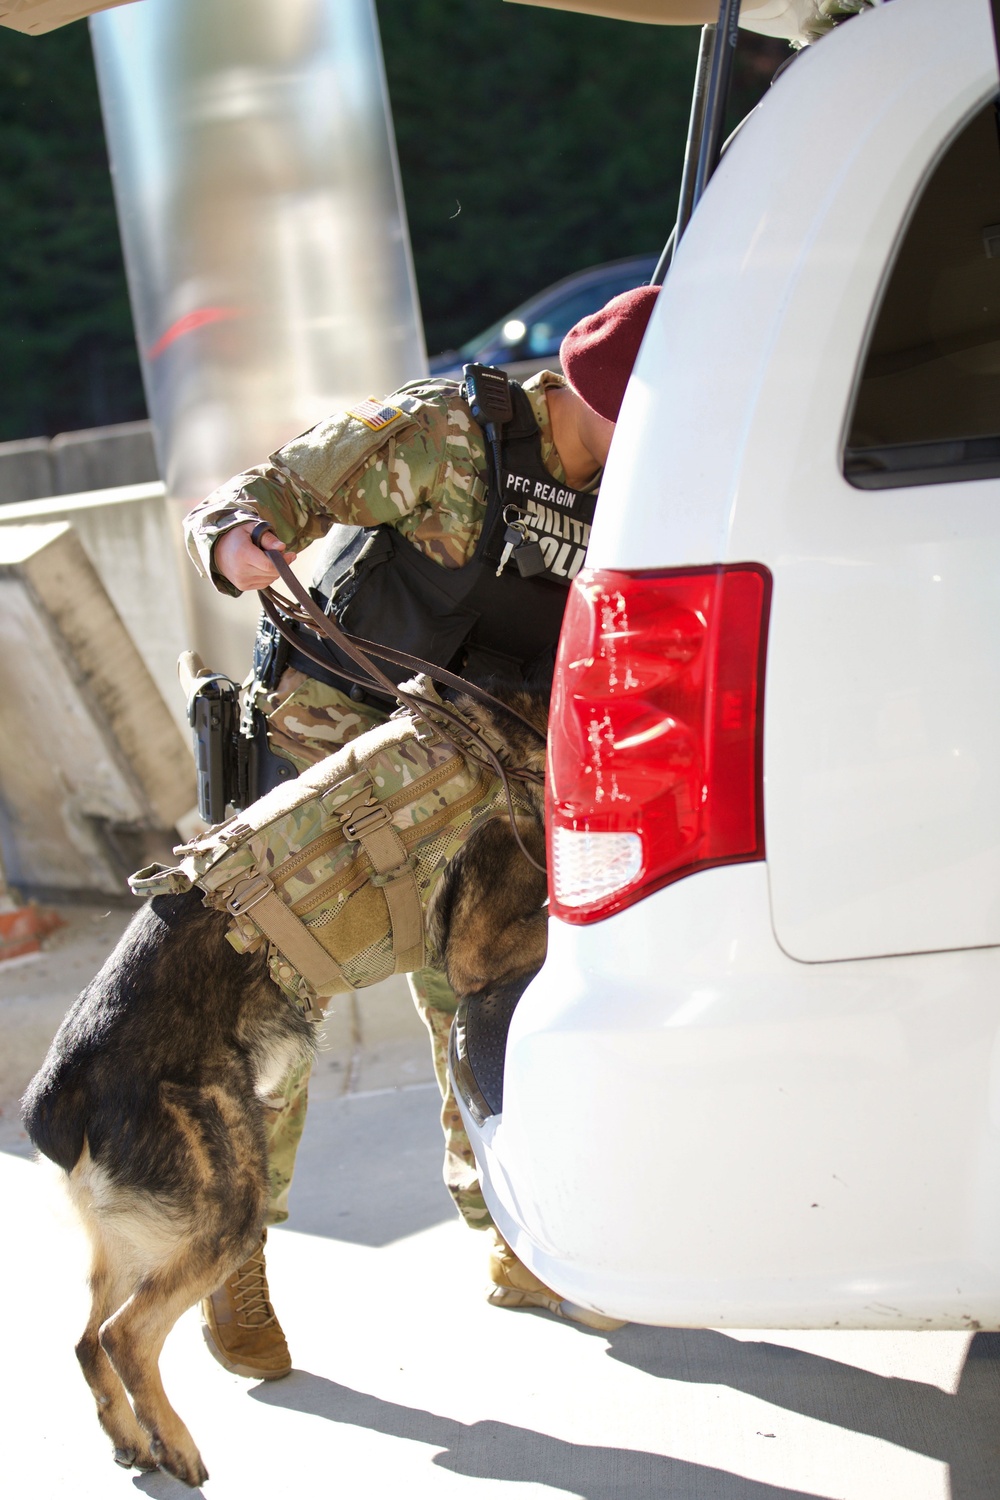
{"points": [[757, 1082]]}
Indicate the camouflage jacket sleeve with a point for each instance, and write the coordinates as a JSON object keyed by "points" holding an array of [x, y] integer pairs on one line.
{"points": [[416, 461]]}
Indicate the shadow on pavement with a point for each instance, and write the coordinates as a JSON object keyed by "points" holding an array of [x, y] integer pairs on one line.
{"points": [[961, 1430], [369, 1168], [161, 1486], [497, 1450]]}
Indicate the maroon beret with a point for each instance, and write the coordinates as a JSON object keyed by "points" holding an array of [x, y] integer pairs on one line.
{"points": [[598, 352]]}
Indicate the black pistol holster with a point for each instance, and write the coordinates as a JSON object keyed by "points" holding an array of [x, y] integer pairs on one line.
{"points": [[234, 762], [220, 763]]}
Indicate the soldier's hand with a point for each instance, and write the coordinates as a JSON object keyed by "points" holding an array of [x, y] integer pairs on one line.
{"points": [[240, 560]]}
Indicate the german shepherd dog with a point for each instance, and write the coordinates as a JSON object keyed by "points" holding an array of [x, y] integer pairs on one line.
{"points": [[151, 1098]]}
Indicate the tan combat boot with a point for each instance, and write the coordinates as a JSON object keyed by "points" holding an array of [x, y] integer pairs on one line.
{"points": [[240, 1327], [515, 1286]]}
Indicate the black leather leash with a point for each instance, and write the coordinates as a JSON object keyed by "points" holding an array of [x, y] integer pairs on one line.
{"points": [[463, 736]]}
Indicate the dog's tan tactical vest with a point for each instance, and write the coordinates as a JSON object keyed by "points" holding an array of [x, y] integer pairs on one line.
{"points": [[333, 871]]}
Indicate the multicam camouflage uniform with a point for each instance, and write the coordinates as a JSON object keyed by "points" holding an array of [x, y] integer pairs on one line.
{"points": [[421, 471]]}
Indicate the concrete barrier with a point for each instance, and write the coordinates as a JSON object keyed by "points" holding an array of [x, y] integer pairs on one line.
{"points": [[95, 772], [96, 458], [129, 533], [102, 458], [26, 470], [132, 534]]}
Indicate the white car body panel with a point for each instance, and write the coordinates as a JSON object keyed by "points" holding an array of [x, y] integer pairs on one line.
{"points": [[769, 1094], [882, 817], [699, 1131]]}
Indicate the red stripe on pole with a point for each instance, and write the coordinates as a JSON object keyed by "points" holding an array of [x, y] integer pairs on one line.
{"points": [[189, 323]]}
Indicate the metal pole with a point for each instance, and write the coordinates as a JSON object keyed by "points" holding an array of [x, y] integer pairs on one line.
{"points": [[713, 73], [264, 234], [696, 125], [718, 95]]}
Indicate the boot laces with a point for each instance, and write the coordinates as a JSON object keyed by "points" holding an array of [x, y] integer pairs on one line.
{"points": [[250, 1293]]}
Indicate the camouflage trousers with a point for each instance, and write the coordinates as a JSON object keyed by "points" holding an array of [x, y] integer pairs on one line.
{"points": [[306, 721]]}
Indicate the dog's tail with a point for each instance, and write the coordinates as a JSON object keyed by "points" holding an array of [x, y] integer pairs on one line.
{"points": [[54, 1112]]}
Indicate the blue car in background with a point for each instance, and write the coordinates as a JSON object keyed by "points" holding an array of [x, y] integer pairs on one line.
{"points": [[527, 339]]}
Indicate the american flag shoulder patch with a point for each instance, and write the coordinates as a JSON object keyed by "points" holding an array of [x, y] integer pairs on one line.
{"points": [[374, 415]]}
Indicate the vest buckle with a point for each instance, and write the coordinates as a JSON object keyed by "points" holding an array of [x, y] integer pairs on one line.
{"points": [[364, 820], [247, 892]]}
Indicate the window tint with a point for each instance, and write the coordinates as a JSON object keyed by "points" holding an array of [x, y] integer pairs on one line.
{"points": [[927, 408], [547, 332], [536, 328]]}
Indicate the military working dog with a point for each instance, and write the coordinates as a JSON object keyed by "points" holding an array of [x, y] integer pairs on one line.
{"points": [[151, 1096]]}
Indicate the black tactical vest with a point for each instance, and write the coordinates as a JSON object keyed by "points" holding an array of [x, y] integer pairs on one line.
{"points": [[378, 585]]}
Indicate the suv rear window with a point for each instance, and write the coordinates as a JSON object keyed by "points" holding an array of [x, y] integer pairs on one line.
{"points": [[927, 408]]}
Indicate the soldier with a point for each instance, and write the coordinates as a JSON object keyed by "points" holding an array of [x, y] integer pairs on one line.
{"points": [[460, 556]]}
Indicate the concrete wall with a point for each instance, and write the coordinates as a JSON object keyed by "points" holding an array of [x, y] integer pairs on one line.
{"points": [[95, 772], [98, 458], [130, 536], [26, 470], [103, 458]]}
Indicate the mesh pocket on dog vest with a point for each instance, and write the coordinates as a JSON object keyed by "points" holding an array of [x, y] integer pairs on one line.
{"points": [[334, 870]]}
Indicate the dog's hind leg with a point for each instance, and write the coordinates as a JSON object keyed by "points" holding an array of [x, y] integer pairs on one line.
{"points": [[133, 1340], [110, 1286]]}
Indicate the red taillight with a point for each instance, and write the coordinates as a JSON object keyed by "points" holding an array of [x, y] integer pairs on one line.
{"points": [[655, 733]]}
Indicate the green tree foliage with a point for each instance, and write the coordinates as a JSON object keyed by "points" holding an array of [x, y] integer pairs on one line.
{"points": [[67, 351], [535, 142], [531, 143]]}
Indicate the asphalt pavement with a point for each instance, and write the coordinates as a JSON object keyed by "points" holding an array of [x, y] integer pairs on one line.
{"points": [[407, 1382]]}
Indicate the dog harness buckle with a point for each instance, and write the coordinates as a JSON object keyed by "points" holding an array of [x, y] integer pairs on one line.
{"points": [[365, 820], [248, 892]]}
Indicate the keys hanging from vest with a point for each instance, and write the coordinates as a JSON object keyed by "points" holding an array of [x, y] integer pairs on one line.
{"points": [[527, 554], [530, 559], [513, 538]]}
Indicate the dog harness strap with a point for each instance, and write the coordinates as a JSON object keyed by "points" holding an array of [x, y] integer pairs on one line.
{"points": [[369, 822], [255, 896], [407, 917]]}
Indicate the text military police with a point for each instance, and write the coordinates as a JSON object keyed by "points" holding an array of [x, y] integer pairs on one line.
{"points": [[426, 569]]}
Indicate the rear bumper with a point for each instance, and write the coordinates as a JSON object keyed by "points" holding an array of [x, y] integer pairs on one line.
{"points": [[699, 1131]]}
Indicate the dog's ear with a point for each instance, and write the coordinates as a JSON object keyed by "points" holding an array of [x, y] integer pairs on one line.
{"points": [[486, 921]]}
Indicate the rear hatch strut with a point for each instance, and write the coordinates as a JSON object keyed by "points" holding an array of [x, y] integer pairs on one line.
{"points": [[712, 79]]}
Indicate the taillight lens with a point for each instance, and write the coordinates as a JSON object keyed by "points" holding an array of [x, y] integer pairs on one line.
{"points": [[655, 764]]}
